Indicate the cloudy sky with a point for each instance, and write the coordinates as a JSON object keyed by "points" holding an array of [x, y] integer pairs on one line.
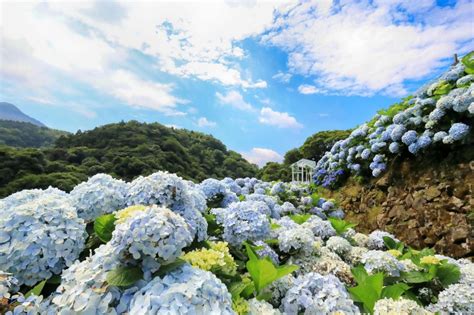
{"points": [[260, 76]]}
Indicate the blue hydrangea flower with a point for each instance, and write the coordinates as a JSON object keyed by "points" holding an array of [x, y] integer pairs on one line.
{"points": [[365, 154], [40, 235], [456, 299], [320, 228], [154, 233], [170, 191], [101, 194], [186, 290], [394, 147], [397, 132], [409, 137], [458, 131], [313, 293], [266, 251], [439, 136], [243, 221]]}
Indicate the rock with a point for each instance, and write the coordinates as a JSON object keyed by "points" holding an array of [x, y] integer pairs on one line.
{"points": [[459, 234], [431, 193]]}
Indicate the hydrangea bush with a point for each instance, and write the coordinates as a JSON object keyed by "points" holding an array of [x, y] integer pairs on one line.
{"points": [[438, 115], [278, 248]]}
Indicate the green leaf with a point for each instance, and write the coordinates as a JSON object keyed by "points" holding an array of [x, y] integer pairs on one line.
{"points": [[275, 226], [416, 277], [56, 279], [468, 62], [341, 226], [36, 290], [237, 288], [263, 271], [448, 274], [443, 88], [390, 242], [124, 276], [369, 288], [394, 291], [165, 269], [300, 218], [104, 226], [359, 273], [272, 241]]}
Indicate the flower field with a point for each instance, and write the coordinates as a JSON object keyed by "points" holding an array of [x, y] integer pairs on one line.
{"points": [[164, 245]]}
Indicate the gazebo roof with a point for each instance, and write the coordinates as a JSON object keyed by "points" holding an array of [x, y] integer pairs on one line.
{"points": [[304, 163]]}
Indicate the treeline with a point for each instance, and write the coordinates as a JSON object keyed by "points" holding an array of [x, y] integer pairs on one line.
{"points": [[24, 134], [124, 150], [313, 149]]}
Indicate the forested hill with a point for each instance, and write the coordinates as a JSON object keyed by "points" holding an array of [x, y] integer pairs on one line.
{"points": [[25, 134], [124, 150]]}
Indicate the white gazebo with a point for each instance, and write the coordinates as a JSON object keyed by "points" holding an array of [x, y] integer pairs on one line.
{"points": [[302, 171]]}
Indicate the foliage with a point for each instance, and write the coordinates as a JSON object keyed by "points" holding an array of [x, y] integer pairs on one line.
{"points": [[124, 276], [340, 225], [263, 271], [123, 150], [468, 61], [24, 134], [300, 218], [370, 288], [104, 226]]}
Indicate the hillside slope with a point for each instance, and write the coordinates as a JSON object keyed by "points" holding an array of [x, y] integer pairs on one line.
{"points": [[410, 169], [11, 112], [124, 150], [24, 134]]}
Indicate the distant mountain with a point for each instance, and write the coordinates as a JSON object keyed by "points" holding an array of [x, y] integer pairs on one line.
{"points": [[11, 112], [24, 134]]}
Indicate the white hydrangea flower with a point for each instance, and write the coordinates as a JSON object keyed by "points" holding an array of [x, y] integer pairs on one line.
{"points": [[186, 290], [377, 261], [8, 285], [257, 307], [316, 294], [360, 239], [375, 240], [455, 299], [40, 235], [299, 238], [388, 306], [354, 257], [339, 245], [101, 194], [32, 305]]}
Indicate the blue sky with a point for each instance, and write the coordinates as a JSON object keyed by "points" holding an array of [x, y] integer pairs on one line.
{"points": [[260, 76]]}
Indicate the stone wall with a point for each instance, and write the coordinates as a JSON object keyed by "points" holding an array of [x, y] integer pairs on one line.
{"points": [[425, 201]]}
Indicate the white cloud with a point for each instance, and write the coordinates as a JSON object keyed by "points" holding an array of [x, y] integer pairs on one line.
{"points": [[195, 39], [364, 47], [278, 119], [173, 126], [234, 99], [203, 123], [40, 50], [282, 77], [261, 156], [308, 89]]}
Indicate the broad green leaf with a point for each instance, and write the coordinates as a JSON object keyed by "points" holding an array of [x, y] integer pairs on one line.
{"points": [[448, 274], [468, 62], [300, 218], [394, 291], [124, 276], [262, 272], [359, 273], [364, 295], [416, 277], [165, 269], [443, 88], [285, 270], [272, 241], [275, 226], [104, 226], [36, 290], [390, 242], [237, 288], [341, 226], [56, 279]]}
